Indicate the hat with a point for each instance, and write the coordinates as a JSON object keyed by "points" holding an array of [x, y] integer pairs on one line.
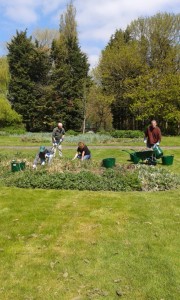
{"points": [[42, 149]]}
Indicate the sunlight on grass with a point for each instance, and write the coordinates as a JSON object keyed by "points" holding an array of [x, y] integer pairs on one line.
{"points": [[88, 245]]}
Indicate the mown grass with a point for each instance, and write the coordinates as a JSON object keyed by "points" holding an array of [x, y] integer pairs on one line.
{"points": [[46, 139], [89, 245]]}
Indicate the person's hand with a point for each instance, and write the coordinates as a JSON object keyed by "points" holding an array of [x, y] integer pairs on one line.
{"points": [[157, 143]]}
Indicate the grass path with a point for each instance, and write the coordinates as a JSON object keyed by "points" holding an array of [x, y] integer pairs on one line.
{"points": [[71, 245]]}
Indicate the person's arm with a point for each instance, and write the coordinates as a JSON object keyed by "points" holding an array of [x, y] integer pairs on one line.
{"points": [[53, 136], [145, 136], [63, 134], [36, 161], [76, 155], [83, 153]]}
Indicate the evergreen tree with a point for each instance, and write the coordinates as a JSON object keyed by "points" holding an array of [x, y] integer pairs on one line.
{"points": [[70, 72], [29, 66]]}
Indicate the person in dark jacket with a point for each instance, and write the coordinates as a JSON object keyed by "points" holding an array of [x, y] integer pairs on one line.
{"points": [[152, 135], [44, 155], [57, 138], [83, 152]]}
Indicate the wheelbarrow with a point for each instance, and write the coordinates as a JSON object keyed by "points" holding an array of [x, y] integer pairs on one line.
{"points": [[133, 157], [151, 155]]}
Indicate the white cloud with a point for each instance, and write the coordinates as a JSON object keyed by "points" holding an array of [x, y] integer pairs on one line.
{"points": [[97, 19]]}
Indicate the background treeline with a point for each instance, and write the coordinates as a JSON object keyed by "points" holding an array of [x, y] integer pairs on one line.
{"points": [[46, 78]]}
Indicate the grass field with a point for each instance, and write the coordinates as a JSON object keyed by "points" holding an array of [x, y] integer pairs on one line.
{"points": [[19, 141], [73, 245], [89, 245]]}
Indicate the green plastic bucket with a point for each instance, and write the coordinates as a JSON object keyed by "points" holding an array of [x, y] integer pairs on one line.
{"points": [[15, 166], [167, 160], [22, 165], [108, 162], [157, 151]]}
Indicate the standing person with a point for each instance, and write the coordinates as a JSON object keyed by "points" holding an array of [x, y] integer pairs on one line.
{"points": [[152, 135], [83, 152], [44, 155], [57, 138]]}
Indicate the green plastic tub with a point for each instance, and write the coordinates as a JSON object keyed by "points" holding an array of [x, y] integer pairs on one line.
{"points": [[22, 165], [108, 162], [16, 166], [167, 160]]}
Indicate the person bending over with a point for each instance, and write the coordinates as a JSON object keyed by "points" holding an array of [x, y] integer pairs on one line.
{"points": [[83, 152], [44, 155]]}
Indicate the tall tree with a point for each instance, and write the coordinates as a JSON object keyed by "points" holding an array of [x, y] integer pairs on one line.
{"points": [[29, 66], [120, 60], [140, 67], [70, 71]]}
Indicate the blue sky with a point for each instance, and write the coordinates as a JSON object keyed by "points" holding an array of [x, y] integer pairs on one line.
{"points": [[97, 19]]}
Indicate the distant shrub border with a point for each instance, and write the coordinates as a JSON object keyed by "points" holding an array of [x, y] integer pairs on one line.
{"points": [[138, 178], [127, 134]]}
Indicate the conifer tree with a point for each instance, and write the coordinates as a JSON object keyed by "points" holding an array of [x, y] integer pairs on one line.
{"points": [[70, 72], [29, 66]]}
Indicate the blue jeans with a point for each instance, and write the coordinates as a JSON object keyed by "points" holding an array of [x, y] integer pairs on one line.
{"points": [[85, 157]]}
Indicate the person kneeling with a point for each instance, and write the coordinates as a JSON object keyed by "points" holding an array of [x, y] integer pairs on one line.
{"points": [[83, 152], [44, 155]]}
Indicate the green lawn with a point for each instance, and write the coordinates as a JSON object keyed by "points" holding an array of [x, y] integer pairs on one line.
{"points": [[18, 141], [89, 245], [73, 245]]}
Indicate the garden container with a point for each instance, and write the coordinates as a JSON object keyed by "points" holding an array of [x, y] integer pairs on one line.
{"points": [[157, 151], [22, 165], [167, 160], [15, 166], [108, 162], [133, 157]]}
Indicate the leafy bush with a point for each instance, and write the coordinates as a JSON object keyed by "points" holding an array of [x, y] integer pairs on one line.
{"points": [[157, 179], [127, 134], [72, 132], [89, 138], [110, 180], [13, 130], [120, 178]]}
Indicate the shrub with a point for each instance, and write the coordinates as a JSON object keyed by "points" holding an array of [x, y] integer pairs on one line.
{"points": [[157, 179], [13, 130], [84, 180], [89, 138], [127, 134], [72, 132]]}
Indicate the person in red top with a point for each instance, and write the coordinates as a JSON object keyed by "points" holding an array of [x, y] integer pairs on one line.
{"points": [[152, 135]]}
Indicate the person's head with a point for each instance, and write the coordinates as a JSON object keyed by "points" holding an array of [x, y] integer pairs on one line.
{"points": [[153, 123], [42, 149], [60, 125], [81, 145]]}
